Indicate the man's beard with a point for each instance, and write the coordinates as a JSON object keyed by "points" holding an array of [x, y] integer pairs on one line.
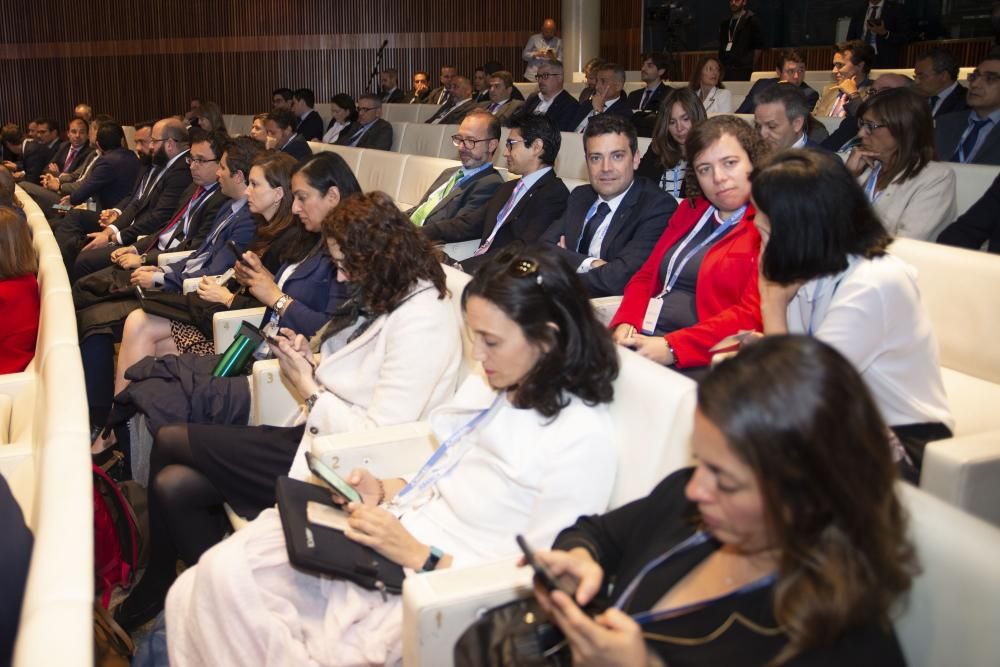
{"points": [[160, 157]]}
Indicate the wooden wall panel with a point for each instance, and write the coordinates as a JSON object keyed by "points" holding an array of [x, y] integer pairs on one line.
{"points": [[138, 59]]}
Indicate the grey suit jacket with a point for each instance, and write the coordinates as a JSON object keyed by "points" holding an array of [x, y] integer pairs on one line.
{"points": [[379, 135], [948, 132], [455, 115], [465, 199], [504, 113]]}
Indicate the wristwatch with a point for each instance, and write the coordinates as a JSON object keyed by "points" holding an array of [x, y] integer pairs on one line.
{"points": [[282, 303], [311, 400], [432, 560]]}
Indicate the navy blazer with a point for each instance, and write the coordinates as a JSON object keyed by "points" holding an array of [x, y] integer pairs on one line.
{"points": [[948, 130], [954, 102], [562, 111], [888, 47], [310, 128], [298, 148], [36, 158], [635, 228], [760, 85], [198, 226], [977, 225], [240, 229], [110, 180], [619, 108], [81, 155], [316, 293], [653, 105]]}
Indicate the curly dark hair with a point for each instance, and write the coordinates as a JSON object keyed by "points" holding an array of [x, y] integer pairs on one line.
{"points": [[799, 415], [536, 289], [384, 253], [706, 133]]}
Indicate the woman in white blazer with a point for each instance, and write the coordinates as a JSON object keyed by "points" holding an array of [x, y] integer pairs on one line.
{"points": [[529, 446], [707, 85], [389, 355], [913, 196]]}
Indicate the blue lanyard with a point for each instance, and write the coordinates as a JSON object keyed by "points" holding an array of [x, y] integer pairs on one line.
{"points": [[428, 475], [674, 272], [696, 540], [677, 180], [870, 185]]}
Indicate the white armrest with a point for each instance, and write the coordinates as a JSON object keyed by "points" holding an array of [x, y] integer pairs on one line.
{"points": [[965, 471], [389, 451], [227, 323], [190, 285], [461, 250], [439, 606], [272, 401], [167, 258], [605, 308]]}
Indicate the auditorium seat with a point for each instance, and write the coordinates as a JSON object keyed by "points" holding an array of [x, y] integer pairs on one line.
{"points": [[421, 171], [398, 132], [422, 139], [381, 170], [971, 182]]}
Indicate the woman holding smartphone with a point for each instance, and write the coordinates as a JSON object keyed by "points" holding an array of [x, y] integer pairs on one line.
{"points": [[531, 442], [785, 544]]}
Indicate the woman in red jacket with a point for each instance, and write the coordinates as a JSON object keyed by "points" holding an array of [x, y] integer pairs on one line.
{"points": [[700, 283], [19, 301]]}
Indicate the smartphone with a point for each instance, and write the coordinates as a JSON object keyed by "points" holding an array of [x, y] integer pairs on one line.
{"points": [[332, 479], [543, 575], [62, 207], [237, 253]]}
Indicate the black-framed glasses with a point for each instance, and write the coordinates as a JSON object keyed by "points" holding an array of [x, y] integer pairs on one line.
{"points": [[510, 143], [458, 141], [367, 108], [988, 77], [869, 126], [154, 140], [198, 160]]}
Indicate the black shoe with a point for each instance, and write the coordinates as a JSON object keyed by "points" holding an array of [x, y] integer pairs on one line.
{"points": [[141, 606]]}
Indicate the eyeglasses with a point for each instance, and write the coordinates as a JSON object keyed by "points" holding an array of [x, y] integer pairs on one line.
{"points": [[154, 140], [988, 77], [868, 126], [367, 108], [458, 141], [545, 75], [198, 160], [512, 142]]}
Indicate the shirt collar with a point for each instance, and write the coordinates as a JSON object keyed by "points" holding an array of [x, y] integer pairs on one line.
{"points": [[175, 158], [303, 116], [994, 117], [614, 203], [801, 143], [530, 179], [469, 173], [947, 91], [549, 99]]}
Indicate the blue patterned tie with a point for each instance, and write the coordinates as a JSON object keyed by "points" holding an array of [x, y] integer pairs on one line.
{"points": [[970, 142]]}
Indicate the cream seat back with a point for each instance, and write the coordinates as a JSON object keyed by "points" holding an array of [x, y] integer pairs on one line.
{"points": [[572, 160], [424, 112], [422, 139], [381, 170], [447, 149], [400, 113], [971, 182], [398, 131], [351, 155], [831, 124]]}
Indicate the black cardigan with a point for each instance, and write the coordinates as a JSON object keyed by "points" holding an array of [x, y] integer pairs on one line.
{"points": [[738, 630]]}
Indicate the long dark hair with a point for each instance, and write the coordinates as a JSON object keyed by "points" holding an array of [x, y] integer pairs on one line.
{"points": [[907, 116], [535, 289], [322, 171], [819, 215], [663, 143], [799, 415]]}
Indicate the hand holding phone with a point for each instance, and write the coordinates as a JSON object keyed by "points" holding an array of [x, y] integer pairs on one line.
{"points": [[543, 575], [235, 249], [336, 483]]}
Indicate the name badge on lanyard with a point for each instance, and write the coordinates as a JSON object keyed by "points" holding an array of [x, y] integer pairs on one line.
{"points": [[677, 263]]}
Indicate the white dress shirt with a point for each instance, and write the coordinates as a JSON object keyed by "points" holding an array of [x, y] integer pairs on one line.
{"points": [[594, 250]]}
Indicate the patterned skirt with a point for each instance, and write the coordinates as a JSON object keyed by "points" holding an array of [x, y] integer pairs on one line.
{"points": [[189, 338]]}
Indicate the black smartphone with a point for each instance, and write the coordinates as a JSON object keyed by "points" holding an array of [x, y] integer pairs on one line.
{"points": [[543, 575], [235, 249]]}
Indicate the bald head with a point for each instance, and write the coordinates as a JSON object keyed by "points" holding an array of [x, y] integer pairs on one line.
{"points": [[169, 136], [888, 81], [549, 28]]}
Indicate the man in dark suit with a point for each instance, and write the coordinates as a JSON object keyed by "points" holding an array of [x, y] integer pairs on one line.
{"points": [[500, 101], [782, 117], [114, 173], [936, 74], [74, 151], [369, 130], [521, 209], [196, 204], [609, 98], [390, 92], [442, 93], [480, 85], [281, 98], [150, 203], [653, 72], [460, 103], [610, 226], [281, 134], [791, 70], [310, 125], [740, 40], [979, 225], [39, 153], [882, 25], [459, 192], [551, 99], [421, 88], [974, 136]]}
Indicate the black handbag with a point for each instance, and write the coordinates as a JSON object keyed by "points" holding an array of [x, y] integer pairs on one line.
{"points": [[323, 550], [515, 633]]}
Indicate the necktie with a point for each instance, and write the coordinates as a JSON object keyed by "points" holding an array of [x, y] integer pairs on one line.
{"points": [[837, 110], [442, 112], [434, 199], [501, 218], [357, 135], [154, 238], [494, 107], [69, 157], [591, 226], [964, 154], [645, 99], [933, 99]]}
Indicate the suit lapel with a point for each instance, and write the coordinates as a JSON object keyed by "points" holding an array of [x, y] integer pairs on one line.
{"points": [[459, 187], [621, 217]]}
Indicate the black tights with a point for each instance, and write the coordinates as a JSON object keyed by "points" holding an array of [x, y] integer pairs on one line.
{"points": [[186, 516]]}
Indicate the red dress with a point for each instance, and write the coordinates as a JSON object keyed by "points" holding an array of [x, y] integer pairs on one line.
{"points": [[727, 297], [19, 305]]}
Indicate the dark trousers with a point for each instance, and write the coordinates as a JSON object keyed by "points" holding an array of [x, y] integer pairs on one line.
{"points": [[89, 261], [71, 233]]}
